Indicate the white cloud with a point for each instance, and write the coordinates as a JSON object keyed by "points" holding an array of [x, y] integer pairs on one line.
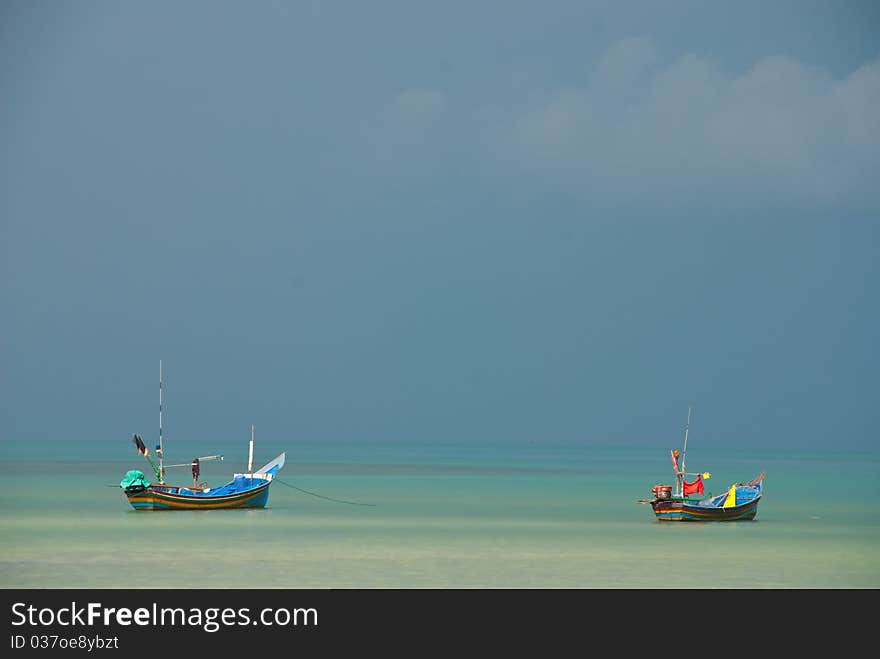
{"points": [[859, 98], [406, 125], [623, 69], [782, 130]]}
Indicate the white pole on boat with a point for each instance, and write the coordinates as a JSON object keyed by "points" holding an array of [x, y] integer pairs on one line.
{"points": [[687, 426], [251, 453], [161, 451]]}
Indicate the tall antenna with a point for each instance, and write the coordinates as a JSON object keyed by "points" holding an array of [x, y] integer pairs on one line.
{"points": [[161, 451]]}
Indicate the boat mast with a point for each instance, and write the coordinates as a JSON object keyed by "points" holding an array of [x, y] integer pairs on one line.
{"points": [[250, 468], [684, 451], [161, 451]]}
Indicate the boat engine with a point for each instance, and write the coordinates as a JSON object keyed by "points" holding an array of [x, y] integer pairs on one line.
{"points": [[662, 491]]}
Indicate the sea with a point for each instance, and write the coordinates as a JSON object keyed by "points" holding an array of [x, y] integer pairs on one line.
{"points": [[368, 515]]}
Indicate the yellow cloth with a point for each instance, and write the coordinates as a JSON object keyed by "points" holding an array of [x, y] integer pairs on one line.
{"points": [[730, 501]]}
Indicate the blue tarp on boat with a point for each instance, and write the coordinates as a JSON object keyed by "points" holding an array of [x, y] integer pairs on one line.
{"points": [[235, 486], [744, 494]]}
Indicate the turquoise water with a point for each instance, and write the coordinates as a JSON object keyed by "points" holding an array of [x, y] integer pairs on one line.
{"points": [[439, 516]]}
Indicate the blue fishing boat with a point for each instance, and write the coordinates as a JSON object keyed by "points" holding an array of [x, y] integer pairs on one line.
{"points": [[739, 502], [678, 504], [246, 490]]}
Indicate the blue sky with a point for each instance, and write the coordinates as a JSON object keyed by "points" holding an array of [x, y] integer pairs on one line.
{"points": [[458, 221]]}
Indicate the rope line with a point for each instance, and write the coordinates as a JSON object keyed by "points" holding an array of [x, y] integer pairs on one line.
{"points": [[321, 496]]}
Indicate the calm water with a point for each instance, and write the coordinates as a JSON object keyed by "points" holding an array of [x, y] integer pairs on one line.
{"points": [[441, 516]]}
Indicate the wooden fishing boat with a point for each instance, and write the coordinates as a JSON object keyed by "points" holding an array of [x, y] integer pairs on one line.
{"points": [[738, 502], [248, 490], [245, 490]]}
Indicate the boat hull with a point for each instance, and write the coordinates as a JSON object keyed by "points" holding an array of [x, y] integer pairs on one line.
{"points": [[679, 510], [174, 498]]}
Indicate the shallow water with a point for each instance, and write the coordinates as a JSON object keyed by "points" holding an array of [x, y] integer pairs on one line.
{"points": [[437, 516]]}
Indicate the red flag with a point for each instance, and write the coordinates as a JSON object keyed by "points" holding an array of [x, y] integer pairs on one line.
{"points": [[674, 455], [695, 487]]}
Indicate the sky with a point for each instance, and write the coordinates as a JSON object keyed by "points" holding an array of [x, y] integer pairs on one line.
{"points": [[405, 221]]}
